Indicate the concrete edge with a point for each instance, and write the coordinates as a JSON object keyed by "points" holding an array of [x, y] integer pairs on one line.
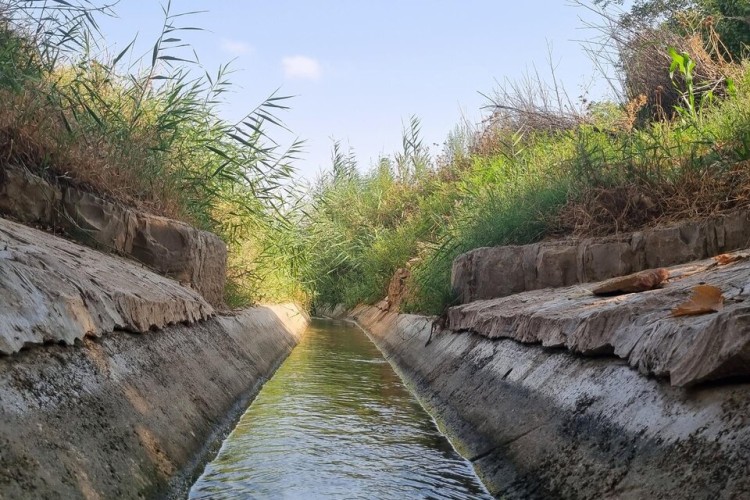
{"points": [[499, 271], [295, 321], [168, 247], [55, 290], [134, 415], [540, 423]]}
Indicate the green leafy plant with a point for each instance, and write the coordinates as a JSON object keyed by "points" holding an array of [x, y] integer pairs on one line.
{"points": [[682, 62]]}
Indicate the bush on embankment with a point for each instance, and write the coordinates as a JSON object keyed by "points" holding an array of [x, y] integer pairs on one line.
{"points": [[533, 172], [146, 133]]}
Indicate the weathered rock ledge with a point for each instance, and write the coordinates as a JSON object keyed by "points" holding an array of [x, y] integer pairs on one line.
{"points": [[545, 423], [55, 291], [491, 272], [637, 327], [133, 416], [168, 247]]}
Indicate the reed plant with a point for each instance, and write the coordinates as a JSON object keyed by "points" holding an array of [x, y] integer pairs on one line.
{"points": [[600, 174], [148, 133], [542, 166]]}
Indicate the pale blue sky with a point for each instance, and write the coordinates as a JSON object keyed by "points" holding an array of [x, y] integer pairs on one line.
{"points": [[360, 69]]}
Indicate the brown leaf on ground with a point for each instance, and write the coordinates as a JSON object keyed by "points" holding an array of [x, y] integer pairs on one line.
{"points": [[705, 299], [637, 282], [727, 258]]}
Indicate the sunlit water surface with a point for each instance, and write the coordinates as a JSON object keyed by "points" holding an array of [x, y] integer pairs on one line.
{"points": [[335, 421]]}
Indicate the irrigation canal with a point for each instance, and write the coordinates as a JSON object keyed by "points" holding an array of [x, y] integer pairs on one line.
{"points": [[335, 421]]}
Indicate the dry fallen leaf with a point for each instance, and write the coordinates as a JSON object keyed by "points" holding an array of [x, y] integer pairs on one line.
{"points": [[638, 282], [705, 299], [727, 258]]}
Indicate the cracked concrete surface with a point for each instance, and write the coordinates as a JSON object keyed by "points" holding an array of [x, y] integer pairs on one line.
{"points": [[637, 327], [55, 291]]}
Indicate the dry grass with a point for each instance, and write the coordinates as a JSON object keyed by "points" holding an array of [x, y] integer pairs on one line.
{"points": [[674, 184], [524, 108], [647, 60], [638, 52], [634, 206], [33, 135]]}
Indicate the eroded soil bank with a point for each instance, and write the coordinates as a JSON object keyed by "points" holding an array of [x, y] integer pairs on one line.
{"points": [[133, 415], [544, 423]]}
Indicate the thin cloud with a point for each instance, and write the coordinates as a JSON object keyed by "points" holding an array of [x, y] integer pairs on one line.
{"points": [[301, 67], [236, 47]]}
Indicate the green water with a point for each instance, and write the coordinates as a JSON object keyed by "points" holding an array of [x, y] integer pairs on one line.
{"points": [[335, 421]]}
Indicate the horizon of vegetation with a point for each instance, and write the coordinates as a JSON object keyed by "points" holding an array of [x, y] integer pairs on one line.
{"points": [[674, 144]]}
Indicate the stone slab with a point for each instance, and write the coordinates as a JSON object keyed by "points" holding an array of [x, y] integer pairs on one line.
{"points": [[636, 327], [170, 248], [491, 272], [56, 291]]}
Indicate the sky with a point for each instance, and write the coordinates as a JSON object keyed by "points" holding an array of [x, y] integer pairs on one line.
{"points": [[358, 70]]}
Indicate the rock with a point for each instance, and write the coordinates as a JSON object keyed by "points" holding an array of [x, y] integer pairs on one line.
{"points": [[170, 248], [55, 291], [632, 283], [637, 327], [491, 272]]}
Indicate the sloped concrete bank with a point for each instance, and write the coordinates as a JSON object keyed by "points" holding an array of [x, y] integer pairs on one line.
{"points": [[637, 327], [133, 416], [545, 423], [116, 381]]}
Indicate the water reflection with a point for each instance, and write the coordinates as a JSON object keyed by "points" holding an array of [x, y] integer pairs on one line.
{"points": [[336, 422]]}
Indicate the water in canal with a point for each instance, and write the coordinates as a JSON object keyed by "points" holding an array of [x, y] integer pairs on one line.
{"points": [[335, 421]]}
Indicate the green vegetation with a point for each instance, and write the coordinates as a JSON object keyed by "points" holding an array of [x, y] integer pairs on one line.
{"points": [[147, 134], [676, 144], [541, 167], [598, 177]]}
